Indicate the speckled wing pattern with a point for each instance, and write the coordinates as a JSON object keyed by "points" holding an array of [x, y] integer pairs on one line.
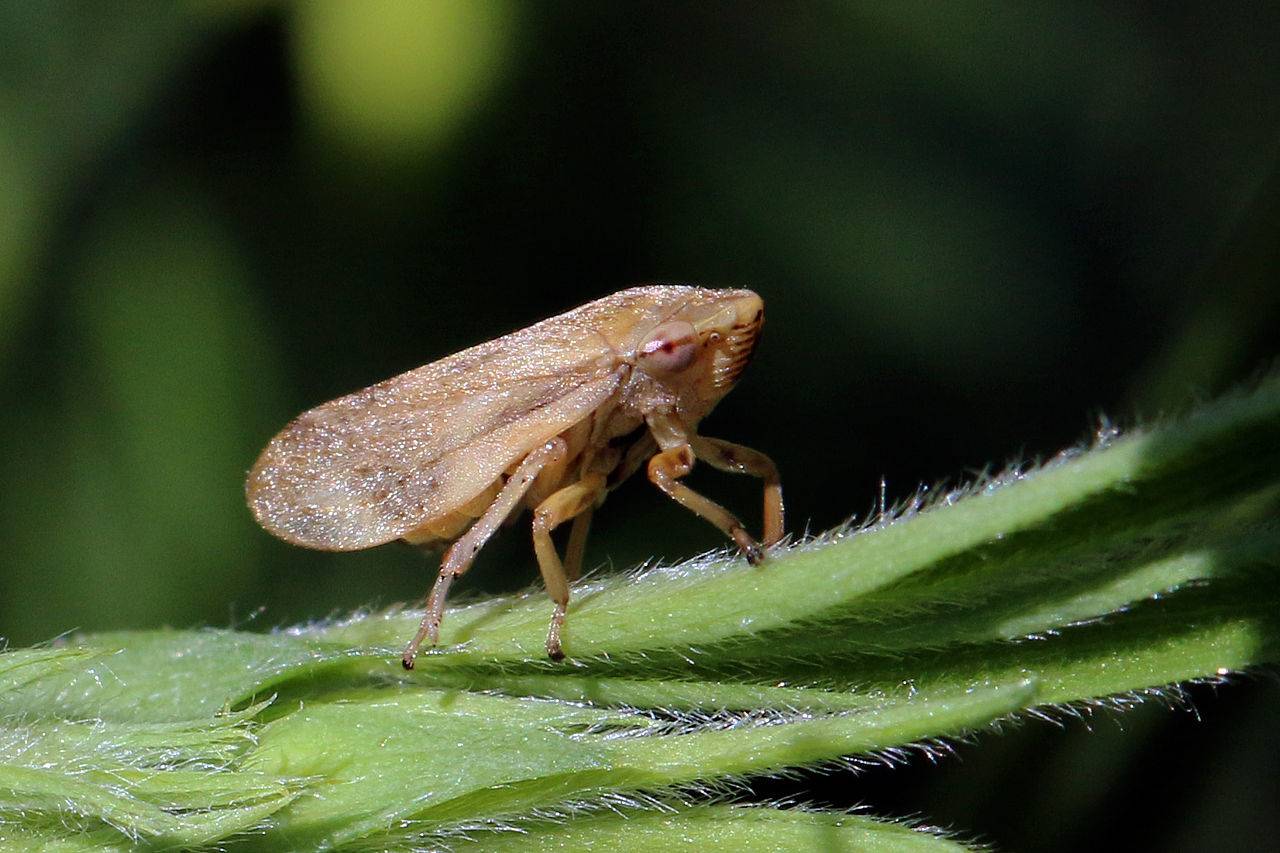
{"points": [[369, 467]]}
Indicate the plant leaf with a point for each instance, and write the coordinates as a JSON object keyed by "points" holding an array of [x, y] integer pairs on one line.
{"points": [[1106, 575]]}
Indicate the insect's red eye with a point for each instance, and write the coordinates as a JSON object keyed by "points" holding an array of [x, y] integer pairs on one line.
{"points": [[670, 348]]}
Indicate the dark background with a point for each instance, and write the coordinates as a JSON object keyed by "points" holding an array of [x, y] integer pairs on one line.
{"points": [[976, 228]]}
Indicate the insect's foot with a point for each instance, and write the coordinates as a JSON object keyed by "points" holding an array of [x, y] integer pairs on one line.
{"points": [[554, 650], [749, 547], [407, 661]]}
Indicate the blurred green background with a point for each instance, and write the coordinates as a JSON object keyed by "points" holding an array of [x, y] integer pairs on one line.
{"points": [[976, 229]]}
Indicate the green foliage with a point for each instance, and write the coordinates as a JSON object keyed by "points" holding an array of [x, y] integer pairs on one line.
{"points": [[1118, 570]]}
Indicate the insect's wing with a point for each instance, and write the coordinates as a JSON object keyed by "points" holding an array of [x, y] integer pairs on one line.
{"points": [[370, 467]]}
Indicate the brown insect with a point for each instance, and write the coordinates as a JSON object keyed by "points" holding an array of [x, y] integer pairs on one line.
{"points": [[551, 418]]}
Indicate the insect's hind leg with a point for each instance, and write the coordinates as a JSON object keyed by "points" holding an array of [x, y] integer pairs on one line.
{"points": [[737, 459], [575, 501], [576, 550], [462, 553]]}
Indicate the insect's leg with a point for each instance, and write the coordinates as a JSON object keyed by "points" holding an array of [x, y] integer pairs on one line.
{"points": [[462, 552], [634, 459], [569, 502], [737, 459], [577, 547], [666, 469]]}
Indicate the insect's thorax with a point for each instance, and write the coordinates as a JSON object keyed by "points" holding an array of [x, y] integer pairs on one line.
{"points": [[612, 440], [598, 443]]}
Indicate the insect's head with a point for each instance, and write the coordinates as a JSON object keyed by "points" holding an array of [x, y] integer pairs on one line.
{"points": [[706, 344]]}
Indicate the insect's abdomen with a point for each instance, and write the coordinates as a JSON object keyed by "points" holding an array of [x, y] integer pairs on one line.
{"points": [[439, 531], [444, 529], [376, 466]]}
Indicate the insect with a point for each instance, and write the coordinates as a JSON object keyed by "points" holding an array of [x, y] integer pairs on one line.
{"points": [[548, 418]]}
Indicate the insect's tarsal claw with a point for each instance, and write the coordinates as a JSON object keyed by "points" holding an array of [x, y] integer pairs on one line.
{"points": [[556, 654], [749, 547], [407, 662]]}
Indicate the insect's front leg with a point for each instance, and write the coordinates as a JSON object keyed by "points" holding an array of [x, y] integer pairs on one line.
{"points": [[737, 459], [462, 553], [675, 461], [576, 502]]}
